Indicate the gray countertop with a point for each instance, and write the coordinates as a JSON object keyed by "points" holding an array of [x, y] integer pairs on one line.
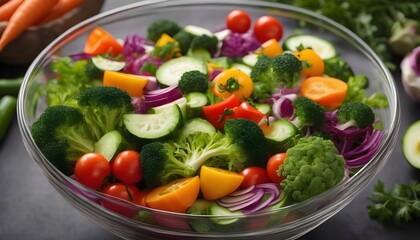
{"points": [[31, 209]]}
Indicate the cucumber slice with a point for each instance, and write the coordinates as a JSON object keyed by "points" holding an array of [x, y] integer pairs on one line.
{"points": [[108, 145], [244, 68], [219, 62], [323, 47], [197, 30], [158, 125], [282, 131], [263, 107], [199, 53], [96, 66], [200, 207], [171, 71], [411, 144], [250, 59], [181, 102], [221, 35], [107, 64], [197, 125], [225, 216], [195, 103]]}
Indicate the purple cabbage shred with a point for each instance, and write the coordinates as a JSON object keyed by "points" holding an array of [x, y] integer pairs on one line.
{"points": [[239, 45]]}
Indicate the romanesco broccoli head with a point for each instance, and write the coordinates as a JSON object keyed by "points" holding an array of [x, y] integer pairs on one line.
{"points": [[311, 167]]}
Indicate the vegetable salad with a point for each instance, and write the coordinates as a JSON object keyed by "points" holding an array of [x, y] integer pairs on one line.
{"points": [[161, 120]]}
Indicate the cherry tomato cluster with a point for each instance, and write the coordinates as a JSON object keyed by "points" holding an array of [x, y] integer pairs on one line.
{"points": [[265, 27], [257, 175], [117, 178]]}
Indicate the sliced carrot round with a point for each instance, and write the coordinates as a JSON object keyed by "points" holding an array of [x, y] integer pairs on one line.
{"points": [[176, 196], [216, 182], [328, 92]]}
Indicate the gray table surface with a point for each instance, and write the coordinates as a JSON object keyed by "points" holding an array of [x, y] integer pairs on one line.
{"points": [[31, 209]]}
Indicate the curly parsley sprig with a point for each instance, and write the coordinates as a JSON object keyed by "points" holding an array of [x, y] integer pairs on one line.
{"points": [[399, 205]]}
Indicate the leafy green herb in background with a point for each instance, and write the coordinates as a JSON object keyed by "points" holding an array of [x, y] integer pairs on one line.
{"points": [[375, 21], [399, 205]]}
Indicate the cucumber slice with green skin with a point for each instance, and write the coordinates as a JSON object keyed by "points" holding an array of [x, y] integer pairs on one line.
{"points": [[221, 35], [200, 207], [264, 108], [250, 59], [170, 72], [225, 215], [282, 131], [411, 144], [195, 103], [197, 125], [107, 64], [219, 62], [244, 68], [199, 53], [324, 48], [96, 66], [154, 126], [181, 102], [197, 30], [108, 145]]}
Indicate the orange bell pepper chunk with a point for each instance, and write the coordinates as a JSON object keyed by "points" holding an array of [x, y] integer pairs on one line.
{"points": [[100, 41]]}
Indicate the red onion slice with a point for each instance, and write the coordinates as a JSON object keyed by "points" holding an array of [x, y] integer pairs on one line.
{"points": [[243, 191], [260, 205]]}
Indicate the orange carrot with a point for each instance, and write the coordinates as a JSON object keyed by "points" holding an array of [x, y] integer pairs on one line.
{"points": [[27, 14], [62, 7], [328, 92], [7, 9]]}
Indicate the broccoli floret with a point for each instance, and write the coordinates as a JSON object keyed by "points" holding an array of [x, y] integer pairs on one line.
{"points": [[355, 114], [160, 26], [268, 74], [286, 69], [338, 68], [249, 137], [184, 39], [63, 136], [242, 145], [193, 81], [308, 113], [208, 43], [311, 167], [103, 108]]}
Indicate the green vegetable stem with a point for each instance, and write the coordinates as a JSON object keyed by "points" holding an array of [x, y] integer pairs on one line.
{"points": [[10, 86], [7, 113]]}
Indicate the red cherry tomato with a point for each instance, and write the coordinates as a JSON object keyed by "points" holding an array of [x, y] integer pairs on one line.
{"points": [[273, 164], [126, 192], [254, 175], [91, 170], [266, 28], [126, 167], [238, 21]]}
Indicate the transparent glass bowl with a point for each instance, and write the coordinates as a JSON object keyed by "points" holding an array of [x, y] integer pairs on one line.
{"points": [[287, 223]]}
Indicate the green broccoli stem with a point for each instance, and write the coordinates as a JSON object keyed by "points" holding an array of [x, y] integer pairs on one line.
{"points": [[77, 144], [199, 158]]}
